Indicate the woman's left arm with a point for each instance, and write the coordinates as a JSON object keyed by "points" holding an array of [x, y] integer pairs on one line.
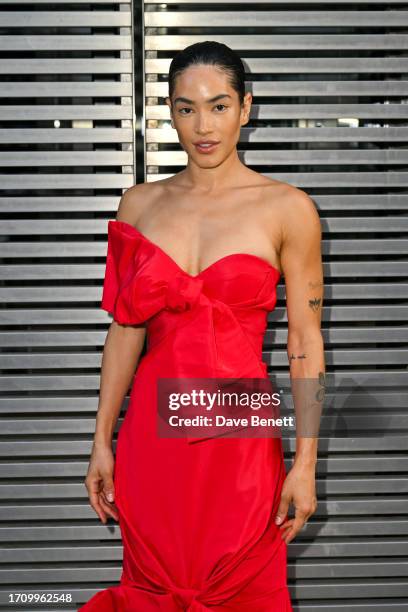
{"points": [[301, 263]]}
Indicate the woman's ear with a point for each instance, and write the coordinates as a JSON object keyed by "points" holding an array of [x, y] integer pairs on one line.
{"points": [[168, 102], [247, 106]]}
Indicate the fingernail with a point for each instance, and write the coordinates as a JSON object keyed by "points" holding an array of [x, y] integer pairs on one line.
{"points": [[278, 520], [110, 497]]}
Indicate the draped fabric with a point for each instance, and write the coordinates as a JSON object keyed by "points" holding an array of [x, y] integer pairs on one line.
{"points": [[196, 514]]}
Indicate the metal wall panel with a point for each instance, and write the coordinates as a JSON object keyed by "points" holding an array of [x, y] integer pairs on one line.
{"points": [[329, 115], [67, 152]]}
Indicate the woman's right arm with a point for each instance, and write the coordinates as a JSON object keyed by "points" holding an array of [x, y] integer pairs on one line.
{"points": [[121, 353]]}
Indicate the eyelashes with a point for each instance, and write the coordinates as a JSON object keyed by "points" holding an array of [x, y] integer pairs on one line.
{"points": [[189, 109]]}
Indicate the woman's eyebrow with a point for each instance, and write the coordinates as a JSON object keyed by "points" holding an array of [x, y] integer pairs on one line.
{"points": [[188, 101]]}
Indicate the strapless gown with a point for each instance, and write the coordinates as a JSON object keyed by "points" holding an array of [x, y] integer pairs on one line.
{"points": [[196, 516]]}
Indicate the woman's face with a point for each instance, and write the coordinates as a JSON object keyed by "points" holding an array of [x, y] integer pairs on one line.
{"points": [[206, 108]]}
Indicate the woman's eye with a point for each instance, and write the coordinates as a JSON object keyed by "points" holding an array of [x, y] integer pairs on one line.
{"points": [[185, 110]]}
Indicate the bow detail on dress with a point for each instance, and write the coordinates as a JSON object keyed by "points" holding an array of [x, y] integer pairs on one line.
{"points": [[182, 293], [188, 599], [137, 285]]}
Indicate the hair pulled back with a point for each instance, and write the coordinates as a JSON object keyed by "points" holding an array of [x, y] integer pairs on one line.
{"points": [[211, 53]]}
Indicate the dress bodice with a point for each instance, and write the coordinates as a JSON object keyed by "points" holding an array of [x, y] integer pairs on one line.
{"points": [[227, 302]]}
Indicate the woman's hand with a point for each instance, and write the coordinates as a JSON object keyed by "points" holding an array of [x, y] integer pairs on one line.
{"points": [[99, 482], [300, 488]]}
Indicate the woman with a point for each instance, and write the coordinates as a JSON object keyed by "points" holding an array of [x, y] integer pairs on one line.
{"points": [[193, 261]]}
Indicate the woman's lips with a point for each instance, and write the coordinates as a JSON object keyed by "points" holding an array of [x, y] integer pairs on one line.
{"points": [[206, 148]]}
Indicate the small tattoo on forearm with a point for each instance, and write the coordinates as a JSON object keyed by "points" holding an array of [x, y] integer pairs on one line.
{"points": [[322, 391], [303, 356], [315, 304]]}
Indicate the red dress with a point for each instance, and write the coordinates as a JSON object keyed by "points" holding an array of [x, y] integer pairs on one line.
{"points": [[196, 517]]}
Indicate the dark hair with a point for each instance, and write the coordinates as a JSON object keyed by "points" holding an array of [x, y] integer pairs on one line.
{"points": [[212, 53]]}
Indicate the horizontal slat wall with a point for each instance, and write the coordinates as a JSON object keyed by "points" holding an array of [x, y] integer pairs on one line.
{"points": [[329, 115], [67, 152]]}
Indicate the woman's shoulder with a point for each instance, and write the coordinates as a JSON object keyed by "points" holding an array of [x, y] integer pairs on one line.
{"points": [[288, 199], [135, 200], [286, 210]]}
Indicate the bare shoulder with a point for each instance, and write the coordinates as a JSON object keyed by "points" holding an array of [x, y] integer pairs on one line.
{"points": [[295, 209], [135, 201], [289, 199]]}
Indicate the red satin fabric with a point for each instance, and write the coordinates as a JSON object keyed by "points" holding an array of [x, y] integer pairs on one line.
{"points": [[196, 515]]}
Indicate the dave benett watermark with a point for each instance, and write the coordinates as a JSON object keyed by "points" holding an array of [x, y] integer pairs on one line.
{"points": [[213, 407]]}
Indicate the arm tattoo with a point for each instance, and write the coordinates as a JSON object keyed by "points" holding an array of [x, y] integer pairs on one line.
{"points": [[315, 304], [321, 392], [303, 356]]}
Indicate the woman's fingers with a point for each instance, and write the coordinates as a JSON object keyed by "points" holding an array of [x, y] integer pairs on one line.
{"points": [[99, 482], [109, 507], [92, 485], [286, 524], [291, 531], [287, 530], [290, 528]]}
